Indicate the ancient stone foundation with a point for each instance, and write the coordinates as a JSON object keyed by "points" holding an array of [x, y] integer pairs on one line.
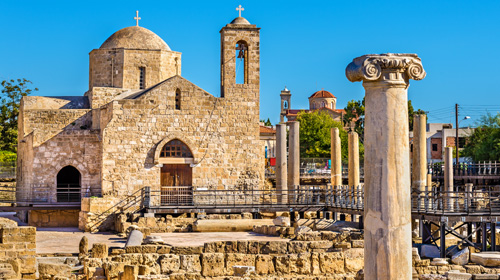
{"points": [[17, 251]]}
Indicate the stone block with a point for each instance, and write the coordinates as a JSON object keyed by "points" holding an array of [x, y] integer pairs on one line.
{"points": [[486, 258], [215, 247], [169, 263], [50, 269], [331, 262], [242, 246], [300, 263], [485, 276], [354, 259], [253, 247], [231, 247], [282, 264], [358, 244], [186, 250], [461, 257], [458, 276], [190, 263], [273, 247], [439, 262], [295, 247], [473, 269], [134, 239], [99, 250], [233, 259], [429, 251], [264, 264], [130, 272], [212, 264], [282, 221], [324, 244], [243, 271], [112, 270]]}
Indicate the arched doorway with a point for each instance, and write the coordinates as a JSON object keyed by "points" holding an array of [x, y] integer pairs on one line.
{"points": [[176, 173], [68, 184]]}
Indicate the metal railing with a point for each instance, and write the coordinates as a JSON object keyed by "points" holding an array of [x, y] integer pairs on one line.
{"points": [[315, 167], [47, 194], [7, 170], [484, 168], [460, 201]]}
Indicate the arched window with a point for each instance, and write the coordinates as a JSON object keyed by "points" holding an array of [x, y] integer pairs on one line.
{"points": [[323, 104], [176, 148], [178, 99], [285, 105], [331, 105], [68, 184], [241, 68]]}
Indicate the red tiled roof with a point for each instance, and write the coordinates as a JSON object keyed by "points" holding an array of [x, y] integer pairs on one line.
{"points": [[322, 94], [265, 129]]}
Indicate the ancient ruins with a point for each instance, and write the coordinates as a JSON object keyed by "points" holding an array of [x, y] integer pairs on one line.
{"points": [[145, 158]]}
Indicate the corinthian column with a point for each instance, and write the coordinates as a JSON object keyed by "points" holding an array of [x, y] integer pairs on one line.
{"points": [[387, 200]]}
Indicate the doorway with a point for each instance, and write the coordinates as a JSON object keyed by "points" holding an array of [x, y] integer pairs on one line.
{"points": [[68, 184]]}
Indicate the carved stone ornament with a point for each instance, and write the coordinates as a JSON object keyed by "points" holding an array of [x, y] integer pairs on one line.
{"points": [[392, 68]]}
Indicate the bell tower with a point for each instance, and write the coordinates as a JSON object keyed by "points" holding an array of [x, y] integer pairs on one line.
{"points": [[240, 58], [286, 98]]}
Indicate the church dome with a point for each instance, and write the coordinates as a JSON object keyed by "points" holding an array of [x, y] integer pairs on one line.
{"points": [[240, 20], [135, 37]]}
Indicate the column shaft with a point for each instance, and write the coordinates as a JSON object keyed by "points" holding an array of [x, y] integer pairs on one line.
{"points": [[353, 146], [281, 167], [419, 172], [293, 155], [336, 157]]}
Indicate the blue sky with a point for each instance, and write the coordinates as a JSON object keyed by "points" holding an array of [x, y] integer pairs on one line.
{"points": [[305, 45]]}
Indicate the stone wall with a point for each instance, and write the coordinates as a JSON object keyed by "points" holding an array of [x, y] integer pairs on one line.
{"points": [[53, 218], [300, 259], [17, 251], [224, 142], [119, 68]]}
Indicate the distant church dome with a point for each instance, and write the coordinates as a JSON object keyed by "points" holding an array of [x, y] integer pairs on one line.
{"points": [[135, 37], [240, 20]]}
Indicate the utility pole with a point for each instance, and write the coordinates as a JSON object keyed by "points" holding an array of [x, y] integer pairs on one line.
{"points": [[456, 136]]}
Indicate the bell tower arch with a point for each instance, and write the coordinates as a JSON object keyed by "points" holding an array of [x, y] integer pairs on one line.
{"points": [[240, 58], [286, 101]]}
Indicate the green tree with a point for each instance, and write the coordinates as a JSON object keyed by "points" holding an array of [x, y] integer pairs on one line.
{"points": [[315, 135], [355, 111], [484, 141], [266, 123], [12, 92]]}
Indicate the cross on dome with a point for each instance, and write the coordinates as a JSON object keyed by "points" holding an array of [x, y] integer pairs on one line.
{"points": [[239, 9], [137, 18]]}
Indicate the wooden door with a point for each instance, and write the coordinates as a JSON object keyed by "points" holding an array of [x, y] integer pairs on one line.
{"points": [[176, 180], [176, 175]]}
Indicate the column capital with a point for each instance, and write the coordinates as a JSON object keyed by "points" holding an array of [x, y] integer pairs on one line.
{"points": [[391, 69]]}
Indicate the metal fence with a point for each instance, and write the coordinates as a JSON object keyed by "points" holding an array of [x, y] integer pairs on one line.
{"points": [[315, 167], [461, 200], [7, 170], [47, 194], [484, 168]]}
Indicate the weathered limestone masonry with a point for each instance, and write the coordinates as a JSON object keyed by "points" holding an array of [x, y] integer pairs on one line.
{"points": [[419, 174], [387, 199], [353, 146], [281, 168], [293, 154], [138, 102], [336, 157], [17, 251], [327, 258]]}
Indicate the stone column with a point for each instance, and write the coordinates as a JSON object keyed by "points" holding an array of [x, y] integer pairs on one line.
{"points": [[448, 177], [387, 167], [336, 157], [419, 173], [281, 169], [293, 155], [353, 145]]}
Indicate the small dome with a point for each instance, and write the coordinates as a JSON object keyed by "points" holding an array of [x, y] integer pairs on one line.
{"points": [[240, 20], [135, 37]]}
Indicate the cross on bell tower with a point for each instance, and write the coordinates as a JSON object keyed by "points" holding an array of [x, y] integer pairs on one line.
{"points": [[239, 9], [137, 18]]}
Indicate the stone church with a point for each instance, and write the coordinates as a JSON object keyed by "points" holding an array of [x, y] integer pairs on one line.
{"points": [[142, 124]]}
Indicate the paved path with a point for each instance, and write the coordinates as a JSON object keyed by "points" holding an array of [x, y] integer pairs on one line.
{"points": [[66, 240]]}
